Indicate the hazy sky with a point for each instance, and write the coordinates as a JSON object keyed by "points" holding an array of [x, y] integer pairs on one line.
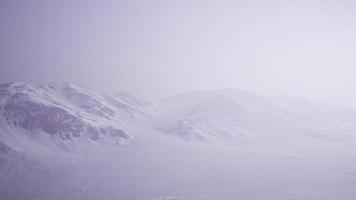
{"points": [[157, 48]]}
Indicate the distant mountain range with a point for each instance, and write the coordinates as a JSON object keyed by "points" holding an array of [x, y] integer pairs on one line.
{"points": [[70, 111], [40, 122]]}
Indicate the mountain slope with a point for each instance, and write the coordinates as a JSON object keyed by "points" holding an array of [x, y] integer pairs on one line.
{"points": [[233, 115], [65, 112]]}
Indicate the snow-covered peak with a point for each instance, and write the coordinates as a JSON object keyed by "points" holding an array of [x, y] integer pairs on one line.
{"points": [[65, 110], [236, 115]]}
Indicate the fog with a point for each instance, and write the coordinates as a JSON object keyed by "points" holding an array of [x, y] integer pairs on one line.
{"points": [[160, 48]]}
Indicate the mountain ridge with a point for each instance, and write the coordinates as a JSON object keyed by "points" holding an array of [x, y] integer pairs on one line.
{"points": [[66, 110]]}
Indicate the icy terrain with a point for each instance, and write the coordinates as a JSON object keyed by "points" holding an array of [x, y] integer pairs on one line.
{"points": [[63, 141]]}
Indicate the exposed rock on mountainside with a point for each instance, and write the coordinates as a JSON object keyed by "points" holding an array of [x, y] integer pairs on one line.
{"points": [[65, 110]]}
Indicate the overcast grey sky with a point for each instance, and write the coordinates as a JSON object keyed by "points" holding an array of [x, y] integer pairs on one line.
{"points": [[157, 48]]}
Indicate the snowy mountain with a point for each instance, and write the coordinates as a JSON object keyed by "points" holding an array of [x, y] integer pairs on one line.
{"points": [[56, 143], [70, 112], [65, 112], [237, 116]]}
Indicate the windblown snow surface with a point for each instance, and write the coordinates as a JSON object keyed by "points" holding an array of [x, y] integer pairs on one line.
{"points": [[63, 141]]}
